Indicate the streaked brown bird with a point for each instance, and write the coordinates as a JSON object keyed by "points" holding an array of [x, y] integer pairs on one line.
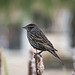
{"points": [[39, 41]]}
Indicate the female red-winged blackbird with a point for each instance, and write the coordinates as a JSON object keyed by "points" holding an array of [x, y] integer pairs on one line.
{"points": [[39, 41]]}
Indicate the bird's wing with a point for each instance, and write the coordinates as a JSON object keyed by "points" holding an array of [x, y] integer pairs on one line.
{"points": [[41, 38], [46, 46]]}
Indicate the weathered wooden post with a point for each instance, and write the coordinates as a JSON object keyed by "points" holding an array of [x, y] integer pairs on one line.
{"points": [[36, 66]]}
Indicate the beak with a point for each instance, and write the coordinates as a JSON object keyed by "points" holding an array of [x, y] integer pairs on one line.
{"points": [[24, 27]]}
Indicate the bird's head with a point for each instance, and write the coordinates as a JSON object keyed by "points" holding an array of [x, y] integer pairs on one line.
{"points": [[29, 27]]}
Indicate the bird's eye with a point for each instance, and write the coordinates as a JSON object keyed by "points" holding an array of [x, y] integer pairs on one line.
{"points": [[30, 28]]}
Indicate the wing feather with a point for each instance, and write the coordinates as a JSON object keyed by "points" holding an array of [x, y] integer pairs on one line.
{"points": [[41, 38]]}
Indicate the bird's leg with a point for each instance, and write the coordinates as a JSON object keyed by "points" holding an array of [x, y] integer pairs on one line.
{"points": [[40, 52], [37, 54]]}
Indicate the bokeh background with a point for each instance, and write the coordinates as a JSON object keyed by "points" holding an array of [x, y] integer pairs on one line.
{"points": [[56, 18]]}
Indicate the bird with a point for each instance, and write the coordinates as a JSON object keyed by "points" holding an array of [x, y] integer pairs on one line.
{"points": [[39, 41]]}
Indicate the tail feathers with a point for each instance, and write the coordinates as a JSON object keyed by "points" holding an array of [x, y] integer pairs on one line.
{"points": [[55, 49], [53, 52]]}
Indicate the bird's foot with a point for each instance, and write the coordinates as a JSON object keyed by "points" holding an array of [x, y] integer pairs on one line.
{"points": [[35, 54]]}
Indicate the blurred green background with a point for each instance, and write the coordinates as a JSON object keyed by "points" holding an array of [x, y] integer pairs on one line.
{"points": [[56, 18]]}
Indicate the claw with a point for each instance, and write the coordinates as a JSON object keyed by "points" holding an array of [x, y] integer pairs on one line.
{"points": [[35, 54]]}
